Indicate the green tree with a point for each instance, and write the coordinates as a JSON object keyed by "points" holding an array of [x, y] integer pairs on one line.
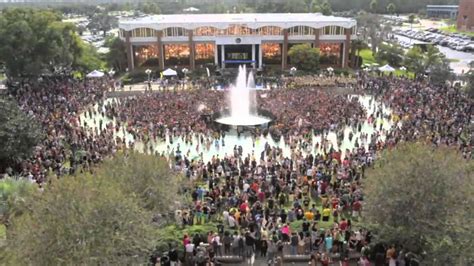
{"points": [[470, 80], [149, 7], [35, 41], [357, 46], [295, 6], [117, 56], [411, 18], [81, 221], [102, 22], [391, 54], [432, 57], [148, 178], [371, 29], [326, 8], [89, 59], [304, 57], [421, 197], [440, 73], [19, 134], [391, 8], [13, 198], [309, 5], [373, 6], [414, 60], [421, 62]]}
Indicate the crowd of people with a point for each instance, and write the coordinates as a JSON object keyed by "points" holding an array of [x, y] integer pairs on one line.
{"points": [[268, 203], [297, 112], [321, 81], [56, 103]]}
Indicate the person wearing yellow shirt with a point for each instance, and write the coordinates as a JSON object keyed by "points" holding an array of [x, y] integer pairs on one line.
{"points": [[309, 215], [326, 214]]}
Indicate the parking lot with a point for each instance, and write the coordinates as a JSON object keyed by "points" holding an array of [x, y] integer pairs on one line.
{"points": [[455, 41]]}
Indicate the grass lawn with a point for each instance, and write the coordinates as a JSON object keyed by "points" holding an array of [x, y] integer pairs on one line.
{"points": [[2, 76], [453, 29], [3, 231], [367, 57]]}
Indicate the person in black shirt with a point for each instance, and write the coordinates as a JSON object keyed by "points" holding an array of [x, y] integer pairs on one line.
{"points": [[283, 216], [305, 226]]}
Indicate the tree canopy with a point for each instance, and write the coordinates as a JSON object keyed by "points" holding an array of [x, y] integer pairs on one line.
{"points": [[303, 57], [391, 54], [19, 133], [117, 55], [421, 197], [421, 62], [36, 41], [109, 217], [146, 177]]}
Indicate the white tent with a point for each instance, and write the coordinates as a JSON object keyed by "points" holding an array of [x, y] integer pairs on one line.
{"points": [[191, 9], [170, 72], [386, 68], [95, 74], [403, 68], [330, 69]]}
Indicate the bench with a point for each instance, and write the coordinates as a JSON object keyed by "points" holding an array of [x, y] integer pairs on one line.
{"points": [[228, 259], [296, 258]]}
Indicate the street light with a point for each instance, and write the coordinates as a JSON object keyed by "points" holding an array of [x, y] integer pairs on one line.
{"points": [[148, 72], [293, 71]]}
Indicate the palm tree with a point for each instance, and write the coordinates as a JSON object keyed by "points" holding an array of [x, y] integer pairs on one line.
{"points": [[358, 45], [432, 57], [391, 8]]}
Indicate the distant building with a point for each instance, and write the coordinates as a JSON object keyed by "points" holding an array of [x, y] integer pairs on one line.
{"points": [[229, 40], [442, 11], [466, 15]]}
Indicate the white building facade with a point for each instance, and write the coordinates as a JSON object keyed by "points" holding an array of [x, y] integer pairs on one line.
{"points": [[228, 40]]}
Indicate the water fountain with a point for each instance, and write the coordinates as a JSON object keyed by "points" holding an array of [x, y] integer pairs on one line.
{"points": [[243, 111]]}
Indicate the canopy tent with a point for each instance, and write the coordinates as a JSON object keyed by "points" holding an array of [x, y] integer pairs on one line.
{"points": [[387, 68], [95, 74], [191, 9], [170, 72], [330, 69], [403, 68]]}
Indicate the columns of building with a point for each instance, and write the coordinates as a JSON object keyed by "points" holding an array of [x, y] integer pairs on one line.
{"points": [[260, 56], [216, 55], [254, 63], [317, 42], [347, 45], [284, 52], [223, 56], [129, 48], [192, 50], [161, 53]]}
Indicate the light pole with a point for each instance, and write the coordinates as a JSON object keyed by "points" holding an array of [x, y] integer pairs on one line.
{"points": [[148, 72], [293, 71]]}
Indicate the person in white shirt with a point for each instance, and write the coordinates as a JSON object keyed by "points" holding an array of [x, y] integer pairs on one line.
{"points": [[189, 251]]}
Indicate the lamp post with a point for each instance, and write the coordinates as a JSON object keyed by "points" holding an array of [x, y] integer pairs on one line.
{"points": [[148, 72], [185, 71], [293, 71]]}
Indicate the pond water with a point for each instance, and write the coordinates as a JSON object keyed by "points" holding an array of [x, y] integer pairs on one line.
{"points": [[225, 146]]}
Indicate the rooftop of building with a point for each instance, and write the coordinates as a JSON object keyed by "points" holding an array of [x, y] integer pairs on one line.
{"points": [[442, 6], [251, 20]]}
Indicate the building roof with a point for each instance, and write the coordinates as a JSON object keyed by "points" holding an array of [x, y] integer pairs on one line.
{"points": [[222, 21], [442, 6]]}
